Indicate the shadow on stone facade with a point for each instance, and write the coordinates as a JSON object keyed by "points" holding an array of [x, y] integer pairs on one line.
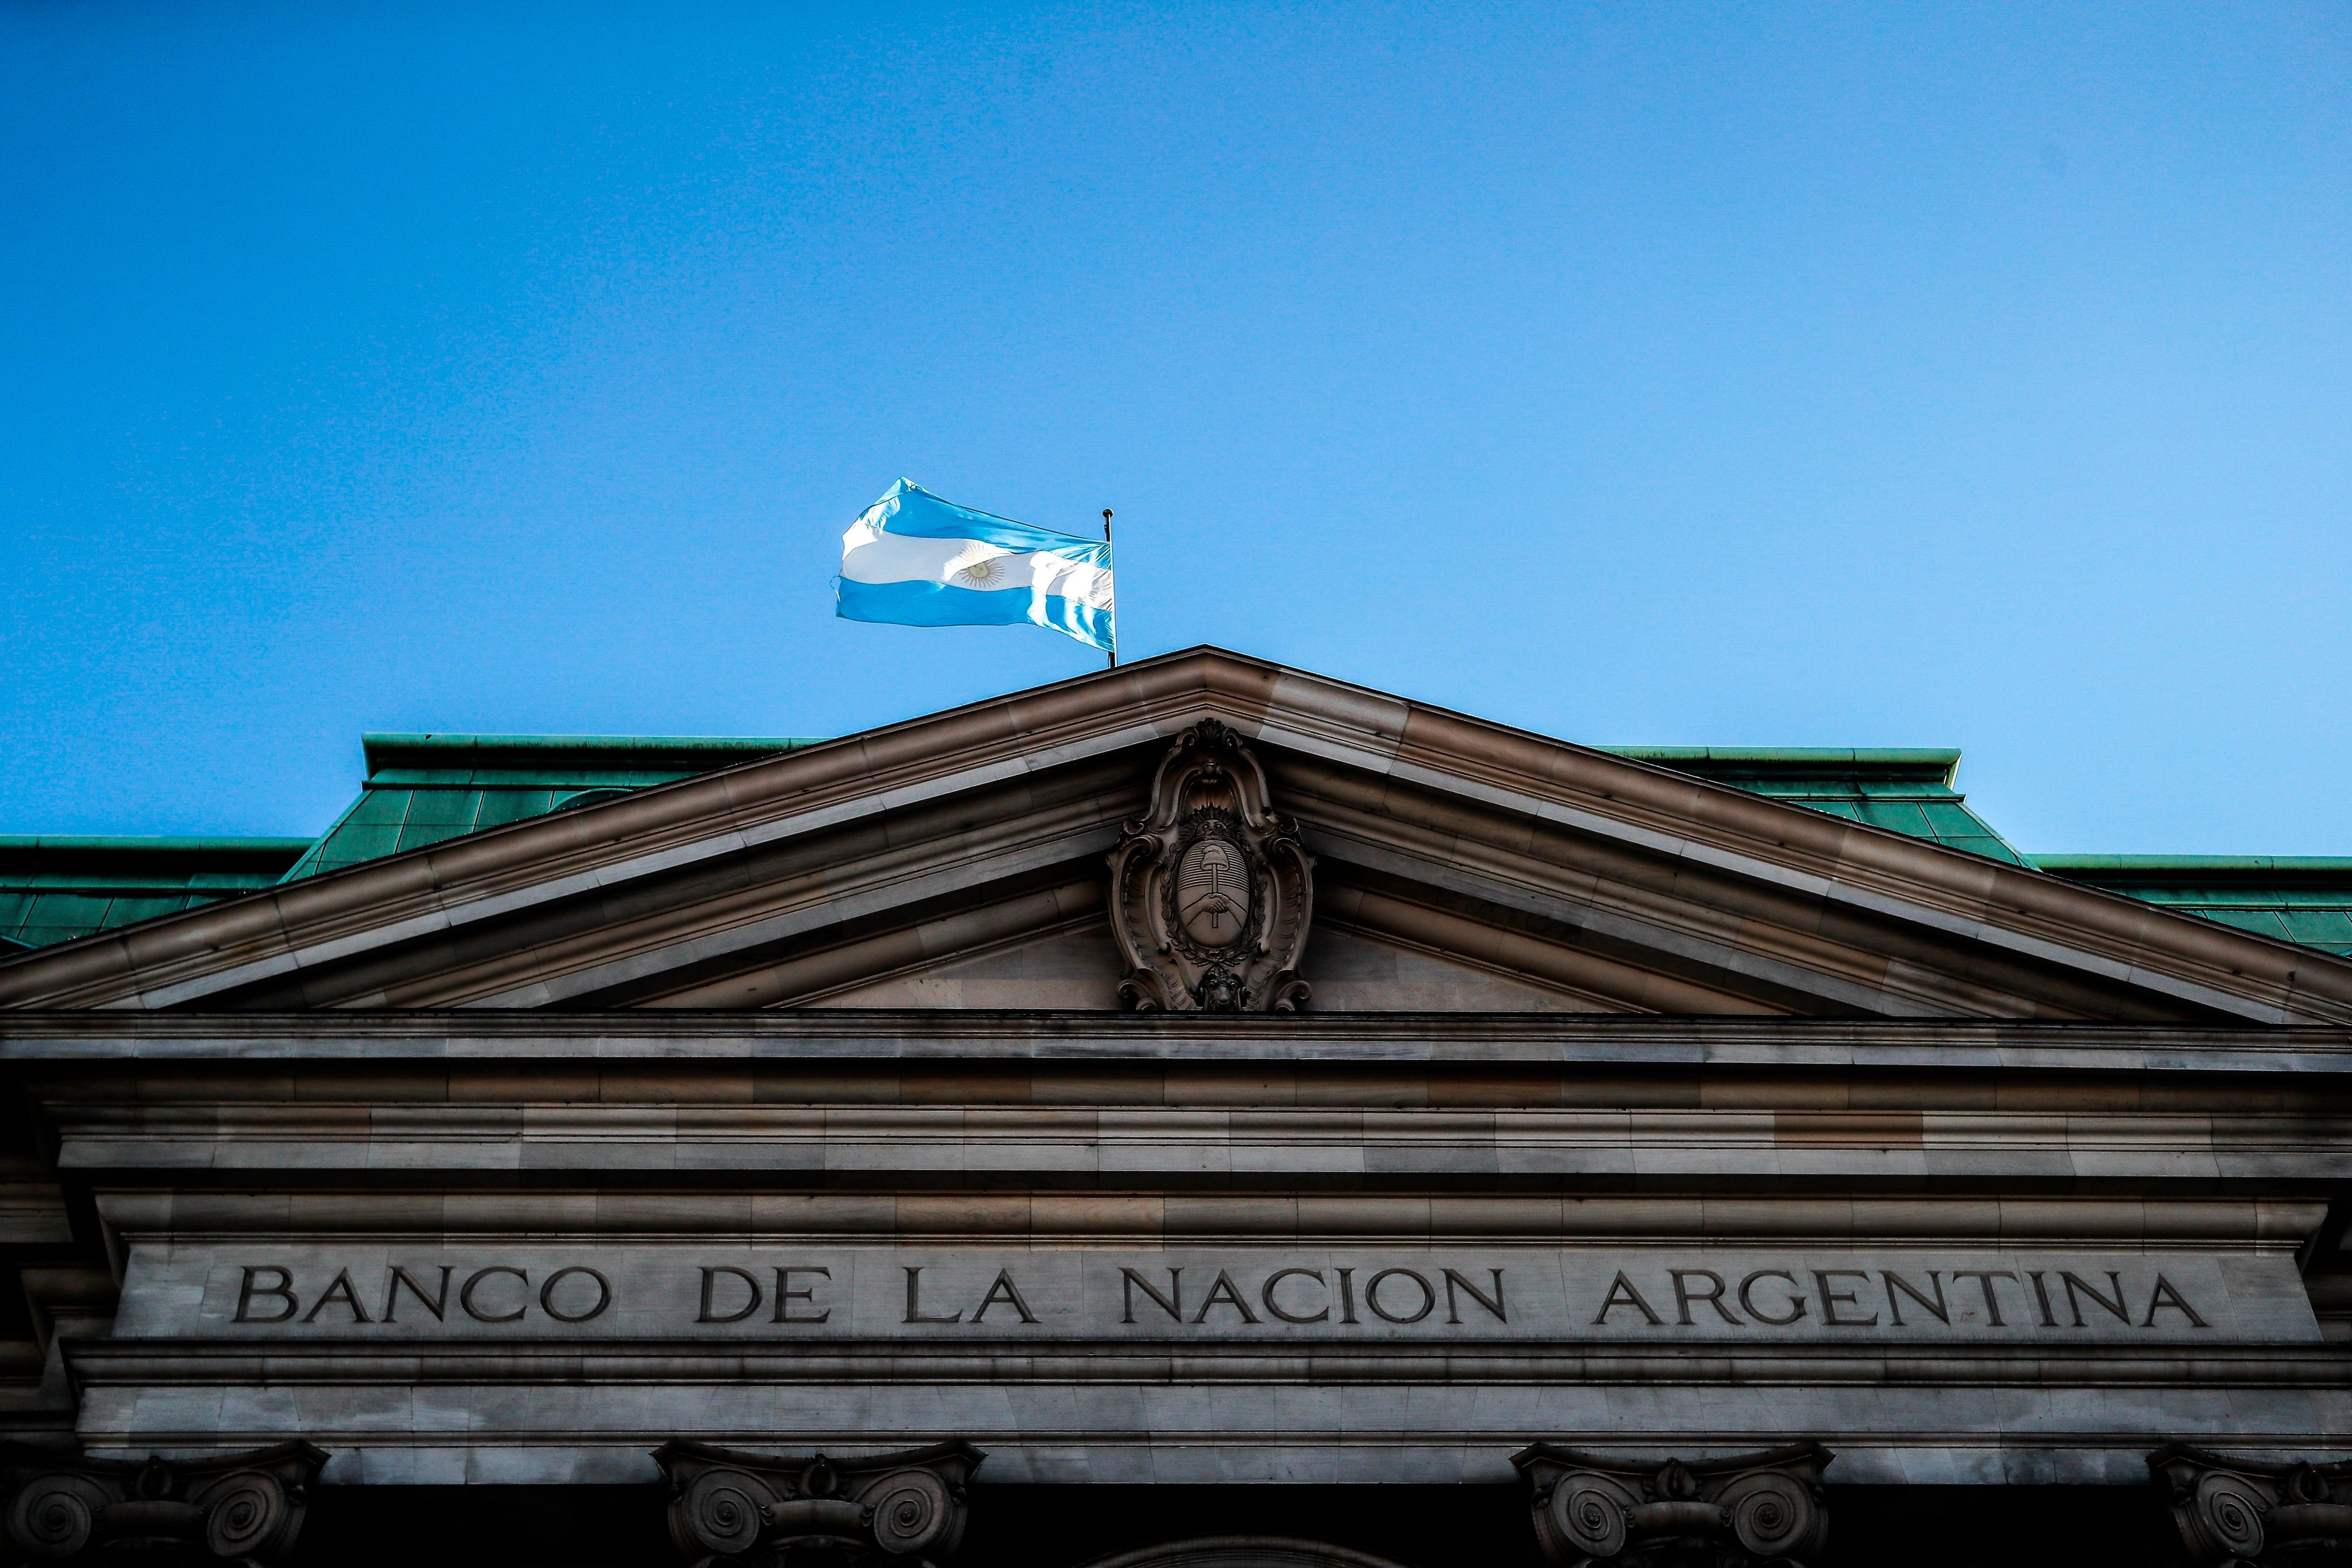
{"points": [[1070, 1526]]}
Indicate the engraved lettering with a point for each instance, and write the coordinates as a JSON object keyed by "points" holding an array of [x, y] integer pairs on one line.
{"points": [[754, 1298], [466, 1296], [1622, 1293], [1372, 1296], [439, 1305], [2074, 1282], [1494, 1306], [915, 1314], [2164, 1295], [1005, 1292], [1832, 1298], [1224, 1292], [1276, 1308], [1894, 1281], [1263, 1288], [1984, 1279], [283, 1290], [785, 1293], [1684, 1296], [1796, 1303], [1172, 1303], [2041, 1295], [341, 1290], [546, 1295]]}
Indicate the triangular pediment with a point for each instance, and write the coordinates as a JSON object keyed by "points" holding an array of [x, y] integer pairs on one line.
{"points": [[1080, 969], [959, 862]]}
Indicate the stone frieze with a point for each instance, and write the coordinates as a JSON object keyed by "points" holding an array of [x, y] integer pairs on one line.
{"points": [[718, 1291]]}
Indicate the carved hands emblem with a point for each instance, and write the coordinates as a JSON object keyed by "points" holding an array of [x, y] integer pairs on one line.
{"points": [[1211, 888], [1213, 892]]}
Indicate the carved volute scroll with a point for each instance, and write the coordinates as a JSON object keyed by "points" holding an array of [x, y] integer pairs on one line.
{"points": [[2233, 1512], [1748, 1511], [1244, 1551], [1211, 891], [729, 1508], [242, 1508]]}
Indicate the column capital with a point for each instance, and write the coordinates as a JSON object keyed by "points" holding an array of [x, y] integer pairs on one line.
{"points": [[247, 1508], [1593, 1510], [2233, 1511], [729, 1507]]}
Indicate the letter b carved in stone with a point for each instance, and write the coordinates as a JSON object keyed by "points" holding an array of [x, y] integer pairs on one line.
{"points": [[757, 1510], [1592, 1512]]}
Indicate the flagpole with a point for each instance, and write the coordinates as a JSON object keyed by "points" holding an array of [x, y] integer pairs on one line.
{"points": [[1113, 614]]}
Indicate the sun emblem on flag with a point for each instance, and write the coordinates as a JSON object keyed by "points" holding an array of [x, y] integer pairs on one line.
{"points": [[979, 568]]}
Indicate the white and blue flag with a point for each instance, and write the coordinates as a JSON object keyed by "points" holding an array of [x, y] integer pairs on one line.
{"points": [[913, 559]]}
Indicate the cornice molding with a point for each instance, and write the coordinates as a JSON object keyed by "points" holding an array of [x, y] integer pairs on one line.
{"points": [[1857, 872], [2012, 1222], [1183, 1147], [157, 1362], [458, 1037]]}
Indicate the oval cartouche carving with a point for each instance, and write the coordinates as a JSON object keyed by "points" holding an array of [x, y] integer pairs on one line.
{"points": [[1211, 890]]}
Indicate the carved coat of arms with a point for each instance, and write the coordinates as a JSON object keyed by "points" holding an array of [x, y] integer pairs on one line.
{"points": [[1211, 891]]}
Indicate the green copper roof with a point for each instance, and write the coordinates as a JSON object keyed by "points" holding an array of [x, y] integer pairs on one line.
{"points": [[681, 755], [55, 888], [427, 788], [1903, 791], [419, 789], [2304, 899], [1931, 764], [2154, 870]]}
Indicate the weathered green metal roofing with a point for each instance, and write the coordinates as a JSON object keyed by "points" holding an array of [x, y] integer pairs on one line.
{"points": [[419, 789], [1903, 791], [55, 888], [2304, 899], [427, 788]]}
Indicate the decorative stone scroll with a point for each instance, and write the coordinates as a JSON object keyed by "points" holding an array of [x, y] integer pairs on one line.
{"points": [[242, 1508], [1756, 1510], [1211, 890], [1243, 1552], [729, 1508], [2234, 1512]]}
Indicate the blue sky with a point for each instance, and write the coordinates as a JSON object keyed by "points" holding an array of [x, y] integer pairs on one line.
{"points": [[1904, 375]]}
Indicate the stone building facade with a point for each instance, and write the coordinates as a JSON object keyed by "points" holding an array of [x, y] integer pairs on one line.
{"points": [[1201, 1114]]}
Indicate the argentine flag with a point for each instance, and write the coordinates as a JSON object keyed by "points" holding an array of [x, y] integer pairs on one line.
{"points": [[913, 559]]}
